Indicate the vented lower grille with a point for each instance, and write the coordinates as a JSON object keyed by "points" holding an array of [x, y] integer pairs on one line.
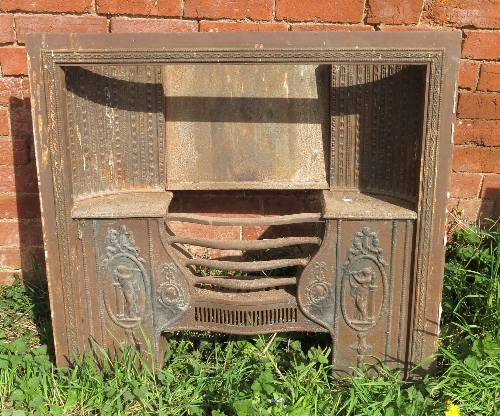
{"points": [[245, 318]]}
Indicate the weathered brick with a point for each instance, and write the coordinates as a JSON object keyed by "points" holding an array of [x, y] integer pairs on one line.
{"points": [[10, 257], [45, 23], [335, 11], [20, 121], [71, 6], [166, 8], [27, 255], [19, 206], [4, 122], [468, 74], [478, 132], [13, 152], [491, 186], [482, 14], [412, 28], [9, 233], [209, 26], [465, 185], [489, 79], [26, 91], [481, 45], [222, 206], [469, 210], [223, 232], [314, 27], [279, 231], [13, 61], [21, 233], [7, 276], [393, 11], [496, 210], [10, 88], [479, 105], [476, 159], [6, 28], [228, 9], [20, 179], [124, 25]]}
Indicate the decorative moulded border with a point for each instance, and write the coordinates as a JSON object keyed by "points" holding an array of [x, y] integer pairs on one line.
{"points": [[54, 148]]}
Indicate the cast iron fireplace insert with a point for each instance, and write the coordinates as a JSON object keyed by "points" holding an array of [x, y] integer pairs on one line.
{"points": [[127, 126]]}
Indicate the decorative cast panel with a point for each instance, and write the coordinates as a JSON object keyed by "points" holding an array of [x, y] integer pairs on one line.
{"points": [[99, 114], [115, 126], [376, 127]]}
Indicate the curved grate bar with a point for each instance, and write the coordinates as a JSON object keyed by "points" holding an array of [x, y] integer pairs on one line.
{"points": [[254, 266], [245, 244], [272, 220], [246, 283]]}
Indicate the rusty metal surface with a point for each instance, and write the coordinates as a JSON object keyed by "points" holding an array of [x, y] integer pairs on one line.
{"points": [[247, 126], [366, 117], [347, 204]]}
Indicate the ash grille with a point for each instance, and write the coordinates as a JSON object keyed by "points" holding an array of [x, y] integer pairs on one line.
{"points": [[245, 318]]}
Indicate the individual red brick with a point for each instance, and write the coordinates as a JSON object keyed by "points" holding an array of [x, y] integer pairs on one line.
{"points": [[483, 14], [491, 186], [167, 8], [496, 211], [6, 28], [222, 206], [222, 232], [21, 233], [476, 159], [208, 26], [468, 74], [19, 206], [27, 255], [419, 28], [4, 122], [229, 9], [45, 23], [20, 179], [479, 105], [279, 231], [10, 257], [478, 132], [9, 87], [469, 210], [335, 11], [75, 6], [489, 79], [313, 27], [20, 121], [395, 12], [481, 45], [465, 185], [124, 25], [7, 276], [26, 91], [13, 61], [253, 232], [13, 152], [9, 233]]}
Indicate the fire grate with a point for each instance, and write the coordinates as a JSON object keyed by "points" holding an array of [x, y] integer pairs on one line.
{"points": [[128, 125]]}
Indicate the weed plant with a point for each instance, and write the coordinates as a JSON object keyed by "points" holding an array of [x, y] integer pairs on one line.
{"points": [[278, 374]]}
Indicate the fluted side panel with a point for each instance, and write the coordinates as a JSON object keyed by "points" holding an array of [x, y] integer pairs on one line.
{"points": [[115, 127], [376, 127]]}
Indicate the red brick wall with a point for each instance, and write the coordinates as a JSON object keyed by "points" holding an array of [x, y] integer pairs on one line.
{"points": [[475, 189]]}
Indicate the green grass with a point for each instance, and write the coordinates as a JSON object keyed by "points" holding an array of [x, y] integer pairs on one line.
{"points": [[213, 374]]}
